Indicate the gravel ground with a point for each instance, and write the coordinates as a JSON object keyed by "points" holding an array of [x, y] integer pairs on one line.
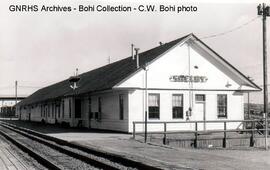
{"points": [[116, 165], [20, 159]]}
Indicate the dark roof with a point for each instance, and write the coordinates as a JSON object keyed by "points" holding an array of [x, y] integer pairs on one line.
{"points": [[102, 78]]}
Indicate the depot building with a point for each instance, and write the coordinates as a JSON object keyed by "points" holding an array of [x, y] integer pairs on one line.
{"points": [[182, 80]]}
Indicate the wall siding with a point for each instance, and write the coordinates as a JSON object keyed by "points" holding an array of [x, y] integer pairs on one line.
{"points": [[234, 106]]}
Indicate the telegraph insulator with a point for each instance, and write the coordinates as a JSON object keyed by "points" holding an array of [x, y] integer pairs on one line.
{"points": [[267, 11], [259, 8]]}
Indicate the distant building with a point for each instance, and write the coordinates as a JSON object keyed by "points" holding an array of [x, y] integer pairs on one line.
{"points": [[7, 111], [186, 80]]}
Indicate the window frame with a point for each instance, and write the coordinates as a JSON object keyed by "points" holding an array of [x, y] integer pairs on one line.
{"points": [[121, 106], [200, 101], [58, 110], [63, 108], [90, 108], [78, 108], [49, 110], [225, 107], [99, 104], [181, 107], [98, 114], [152, 107], [53, 110], [41, 111], [69, 108]]}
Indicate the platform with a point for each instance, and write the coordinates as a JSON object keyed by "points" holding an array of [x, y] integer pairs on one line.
{"points": [[161, 156]]}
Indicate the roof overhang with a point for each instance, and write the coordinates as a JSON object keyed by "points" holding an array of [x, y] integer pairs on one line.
{"points": [[246, 83]]}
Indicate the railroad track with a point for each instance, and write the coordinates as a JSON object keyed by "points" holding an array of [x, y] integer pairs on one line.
{"points": [[11, 159], [54, 153]]}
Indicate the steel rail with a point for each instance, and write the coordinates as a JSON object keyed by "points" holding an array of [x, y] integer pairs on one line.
{"points": [[63, 150], [41, 159], [110, 156]]}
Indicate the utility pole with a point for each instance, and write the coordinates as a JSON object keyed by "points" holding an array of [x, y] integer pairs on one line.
{"points": [[265, 11], [16, 94]]}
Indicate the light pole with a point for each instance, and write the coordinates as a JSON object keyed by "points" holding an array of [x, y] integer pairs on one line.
{"points": [[73, 80]]}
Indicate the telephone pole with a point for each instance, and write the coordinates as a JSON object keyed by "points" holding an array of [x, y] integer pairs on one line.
{"points": [[16, 92], [265, 11], [16, 96]]}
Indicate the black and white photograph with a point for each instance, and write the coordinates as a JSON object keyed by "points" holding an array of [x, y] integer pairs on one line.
{"points": [[134, 85]]}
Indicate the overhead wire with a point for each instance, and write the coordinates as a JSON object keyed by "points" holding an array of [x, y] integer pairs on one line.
{"points": [[231, 30]]}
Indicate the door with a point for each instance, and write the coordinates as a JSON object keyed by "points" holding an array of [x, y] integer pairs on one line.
{"points": [[199, 111]]}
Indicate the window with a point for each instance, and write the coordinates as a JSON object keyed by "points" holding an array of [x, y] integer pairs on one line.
{"points": [[78, 112], [121, 107], [53, 110], [63, 108], [69, 107], [222, 105], [41, 111], [90, 107], [58, 109], [49, 110], [91, 115], [177, 106], [46, 111], [99, 105], [153, 106], [200, 98], [98, 114]]}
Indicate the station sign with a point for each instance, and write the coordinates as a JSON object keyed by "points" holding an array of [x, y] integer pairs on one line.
{"points": [[188, 78]]}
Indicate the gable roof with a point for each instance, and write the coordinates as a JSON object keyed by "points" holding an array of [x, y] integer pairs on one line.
{"points": [[236, 71], [106, 77], [103, 78]]}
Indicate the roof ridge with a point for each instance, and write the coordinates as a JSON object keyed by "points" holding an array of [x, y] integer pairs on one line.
{"points": [[98, 79], [139, 53]]}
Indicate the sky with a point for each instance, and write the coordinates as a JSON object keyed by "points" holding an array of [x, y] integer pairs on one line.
{"points": [[41, 48]]}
